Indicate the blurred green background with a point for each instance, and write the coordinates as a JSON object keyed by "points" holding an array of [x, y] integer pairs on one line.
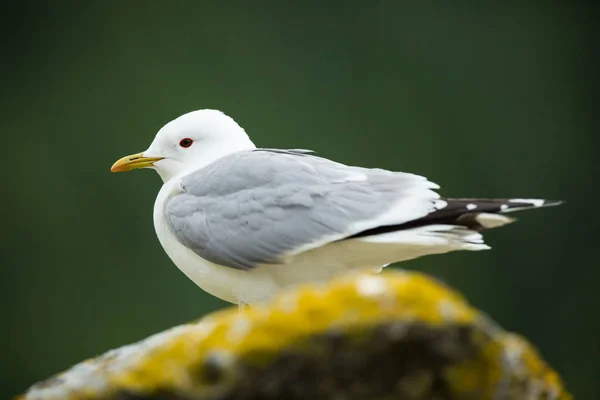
{"points": [[488, 100]]}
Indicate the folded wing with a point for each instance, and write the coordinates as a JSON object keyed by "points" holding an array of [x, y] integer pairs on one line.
{"points": [[258, 207]]}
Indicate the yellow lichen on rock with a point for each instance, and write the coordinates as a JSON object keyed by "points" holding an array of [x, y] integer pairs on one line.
{"points": [[506, 367], [350, 304], [318, 341]]}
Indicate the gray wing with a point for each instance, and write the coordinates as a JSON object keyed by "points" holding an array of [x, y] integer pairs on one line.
{"points": [[257, 207]]}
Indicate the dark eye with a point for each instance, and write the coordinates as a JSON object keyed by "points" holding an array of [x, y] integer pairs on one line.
{"points": [[185, 143]]}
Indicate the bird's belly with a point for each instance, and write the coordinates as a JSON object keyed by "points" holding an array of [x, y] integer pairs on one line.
{"points": [[251, 286], [262, 282], [229, 284]]}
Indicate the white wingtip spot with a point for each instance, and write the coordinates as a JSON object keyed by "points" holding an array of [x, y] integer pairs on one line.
{"points": [[493, 220], [370, 286], [439, 204], [471, 206], [503, 207], [533, 202]]}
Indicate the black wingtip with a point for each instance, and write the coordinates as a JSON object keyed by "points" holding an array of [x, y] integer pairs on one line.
{"points": [[473, 213]]}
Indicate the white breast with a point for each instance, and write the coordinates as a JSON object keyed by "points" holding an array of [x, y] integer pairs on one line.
{"points": [[226, 283]]}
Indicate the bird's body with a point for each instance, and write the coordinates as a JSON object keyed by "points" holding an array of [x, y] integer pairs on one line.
{"points": [[244, 223]]}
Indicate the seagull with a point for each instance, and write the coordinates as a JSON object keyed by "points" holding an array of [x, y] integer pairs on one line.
{"points": [[243, 222]]}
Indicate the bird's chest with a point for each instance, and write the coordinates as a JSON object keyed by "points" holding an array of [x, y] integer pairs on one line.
{"points": [[200, 271], [229, 284]]}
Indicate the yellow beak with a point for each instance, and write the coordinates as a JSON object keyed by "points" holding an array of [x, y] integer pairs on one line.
{"points": [[134, 161]]}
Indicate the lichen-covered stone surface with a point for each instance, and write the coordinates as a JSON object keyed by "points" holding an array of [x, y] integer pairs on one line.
{"points": [[397, 335]]}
